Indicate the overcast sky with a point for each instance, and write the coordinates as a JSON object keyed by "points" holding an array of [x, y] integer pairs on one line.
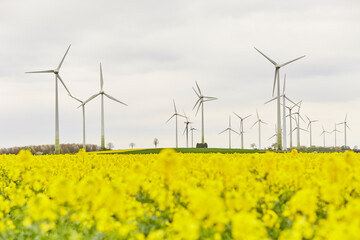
{"points": [[153, 52]]}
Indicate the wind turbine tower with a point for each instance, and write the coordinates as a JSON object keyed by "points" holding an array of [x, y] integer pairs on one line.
{"points": [[345, 126], [277, 79]]}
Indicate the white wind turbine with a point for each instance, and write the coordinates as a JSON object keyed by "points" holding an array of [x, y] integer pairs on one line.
{"points": [[187, 122], [298, 128], [335, 131], [57, 77], [102, 93], [242, 128], [192, 129], [345, 126], [200, 103], [309, 126], [175, 115], [259, 121], [230, 130], [274, 134], [324, 133], [290, 117], [277, 77], [284, 98]]}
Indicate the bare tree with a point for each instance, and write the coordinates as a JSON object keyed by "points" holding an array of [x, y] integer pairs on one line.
{"points": [[156, 142], [253, 145], [110, 145], [132, 145]]}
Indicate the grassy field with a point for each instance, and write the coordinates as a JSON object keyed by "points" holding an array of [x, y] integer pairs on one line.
{"points": [[182, 150]]}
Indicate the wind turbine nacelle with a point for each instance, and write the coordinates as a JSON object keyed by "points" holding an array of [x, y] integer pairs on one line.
{"points": [[101, 92]]}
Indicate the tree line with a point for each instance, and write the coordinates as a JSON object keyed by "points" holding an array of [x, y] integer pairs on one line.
{"points": [[49, 149]]}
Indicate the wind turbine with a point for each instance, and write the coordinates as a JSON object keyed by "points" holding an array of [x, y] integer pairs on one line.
{"points": [[57, 76], [83, 117], [200, 103], [277, 77], [345, 126], [242, 128], [175, 115], [187, 122], [259, 121], [323, 133], [230, 130], [284, 97], [102, 93], [335, 131], [309, 126], [298, 128], [192, 135], [290, 116]]}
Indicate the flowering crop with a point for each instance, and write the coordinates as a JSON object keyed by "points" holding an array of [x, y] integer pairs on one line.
{"points": [[180, 196]]}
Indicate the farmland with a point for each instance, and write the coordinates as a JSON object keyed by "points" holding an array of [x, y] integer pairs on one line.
{"points": [[180, 196]]}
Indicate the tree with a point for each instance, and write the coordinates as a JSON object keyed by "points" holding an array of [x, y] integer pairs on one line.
{"points": [[156, 142], [253, 145], [110, 145], [132, 145]]}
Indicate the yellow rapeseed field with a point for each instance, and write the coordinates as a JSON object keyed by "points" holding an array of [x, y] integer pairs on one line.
{"points": [[180, 196]]}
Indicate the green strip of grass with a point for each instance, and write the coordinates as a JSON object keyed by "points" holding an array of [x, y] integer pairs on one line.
{"points": [[188, 150]]}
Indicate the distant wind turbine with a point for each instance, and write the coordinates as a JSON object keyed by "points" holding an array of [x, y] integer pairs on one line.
{"points": [[345, 126], [200, 103], [230, 130], [290, 117], [192, 129], [102, 93], [277, 77], [259, 121], [175, 115], [187, 122], [323, 133], [241, 129], [57, 76], [335, 131], [309, 126]]}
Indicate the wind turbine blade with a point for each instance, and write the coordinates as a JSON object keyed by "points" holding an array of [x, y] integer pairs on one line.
{"points": [[179, 115], [101, 79], [303, 129], [347, 126], [196, 103], [112, 98], [254, 124], [301, 118], [198, 88], [237, 115], [272, 61], [198, 108], [308, 125], [271, 137], [345, 117], [174, 106], [276, 71], [307, 118], [289, 100], [282, 65], [315, 120], [211, 97], [257, 114], [223, 131], [263, 122], [234, 131], [45, 71], [90, 98], [76, 99], [271, 100], [58, 68], [58, 75], [196, 92], [247, 116], [170, 118]]}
